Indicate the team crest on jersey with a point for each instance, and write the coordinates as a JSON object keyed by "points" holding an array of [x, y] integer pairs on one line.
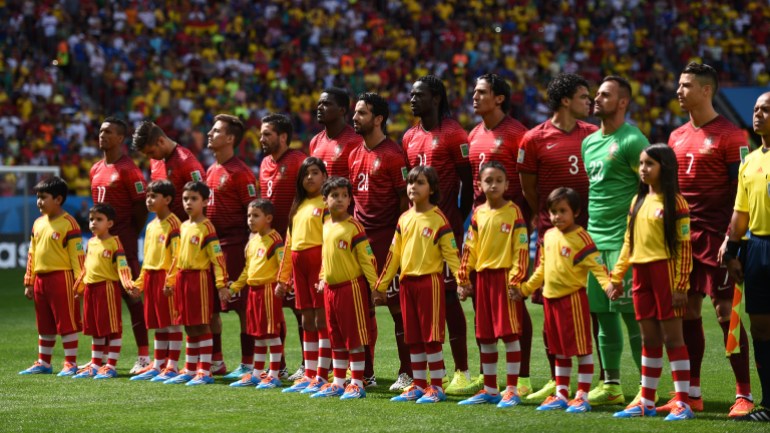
{"points": [[498, 144], [196, 176], [114, 178], [106, 254], [505, 228], [658, 213], [56, 236], [162, 238], [222, 180], [195, 240], [342, 244], [565, 251], [261, 252], [435, 142], [317, 211], [613, 149], [376, 164], [427, 232], [337, 152], [252, 190], [708, 146]]}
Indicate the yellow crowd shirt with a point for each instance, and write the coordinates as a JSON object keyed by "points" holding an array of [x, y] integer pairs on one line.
{"points": [[56, 245], [650, 244], [263, 257], [105, 261], [565, 260], [422, 243], [161, 245], [346, 253], [754, 191], [199, 249], [306, 232], [496, 239]]}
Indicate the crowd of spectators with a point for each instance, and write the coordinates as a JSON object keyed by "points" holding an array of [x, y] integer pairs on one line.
{"points": [[65, 65]]}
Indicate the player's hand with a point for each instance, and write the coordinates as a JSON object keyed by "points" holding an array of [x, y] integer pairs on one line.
{"points": [[514, 293], [280, 290], [464, 291], [224, 294], [379, 298], [319, 286], [735, 269], [612, 292], [29, 292], [678, 299], [168, 291], [721, 252], [229, 283]]}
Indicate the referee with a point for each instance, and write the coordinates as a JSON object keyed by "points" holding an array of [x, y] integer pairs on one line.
{"points": [[752, 212]]}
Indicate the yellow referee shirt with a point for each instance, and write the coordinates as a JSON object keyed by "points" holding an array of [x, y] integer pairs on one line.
{"points": [[346, 253], [565, 260], [161, 244], [496, 239], [422, 243], [263, 257], [199, 249], [55, 245], [105, 261], [754, 191], [650, 244]]}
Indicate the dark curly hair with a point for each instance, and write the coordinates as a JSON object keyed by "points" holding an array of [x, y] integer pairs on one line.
{"points": [[563, 86]]}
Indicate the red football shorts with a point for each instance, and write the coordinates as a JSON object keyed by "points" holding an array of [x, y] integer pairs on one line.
{"points": [[235, 260], [102, 309], [264, 313], [56, 310], [711, 280], [380, 241], [567, 324], [306, 266], [194, 297], [497, 316], [423, 308], [159, 310], [347, 313], [651, 291]]}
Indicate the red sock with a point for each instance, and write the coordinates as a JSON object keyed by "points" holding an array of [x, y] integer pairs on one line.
{"points": [[310, 350], [276, 353], [512, 360], [70, 344], [357, 359], [680, 372], [692, 331], [488, 354], [739, 361], [216, 347], [174, 348], [160, 346], [247, 349], [340, 360], [45, 344], [419, 363], [435, 358], [585, 372], [652, 365], [563, 372], [324, 354], [205, 349], [115, 342], [192, 354], [97, 350]]}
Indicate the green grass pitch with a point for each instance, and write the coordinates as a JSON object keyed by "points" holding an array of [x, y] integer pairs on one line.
{"points": [[52, 404]]}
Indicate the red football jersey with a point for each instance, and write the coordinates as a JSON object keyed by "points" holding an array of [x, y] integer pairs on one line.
{"points": [[378, 176], [179, 168], [335, 151], [278, 183], [120, 185], [233, 186], [501, 143], [704, 155], [555, 156], [444, 148]]}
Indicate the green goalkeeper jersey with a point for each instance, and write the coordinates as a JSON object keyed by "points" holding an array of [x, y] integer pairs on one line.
{"points": [[612, 165]]}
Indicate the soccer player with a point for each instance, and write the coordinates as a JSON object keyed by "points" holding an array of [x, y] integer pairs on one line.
{"points": [[54, 260], [161, 245], [752, 212], [233, 186], [334, 144], [708, 149], [117, 181], [657, 242], [497, 138], [497, 248], [193, 284], [278, 183], [611, 158], [567, 256], [104, 272], [168, 160], [378, 173], [422, 243], [264, 316], [549, 157], [440, 142], [348, 271]]}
